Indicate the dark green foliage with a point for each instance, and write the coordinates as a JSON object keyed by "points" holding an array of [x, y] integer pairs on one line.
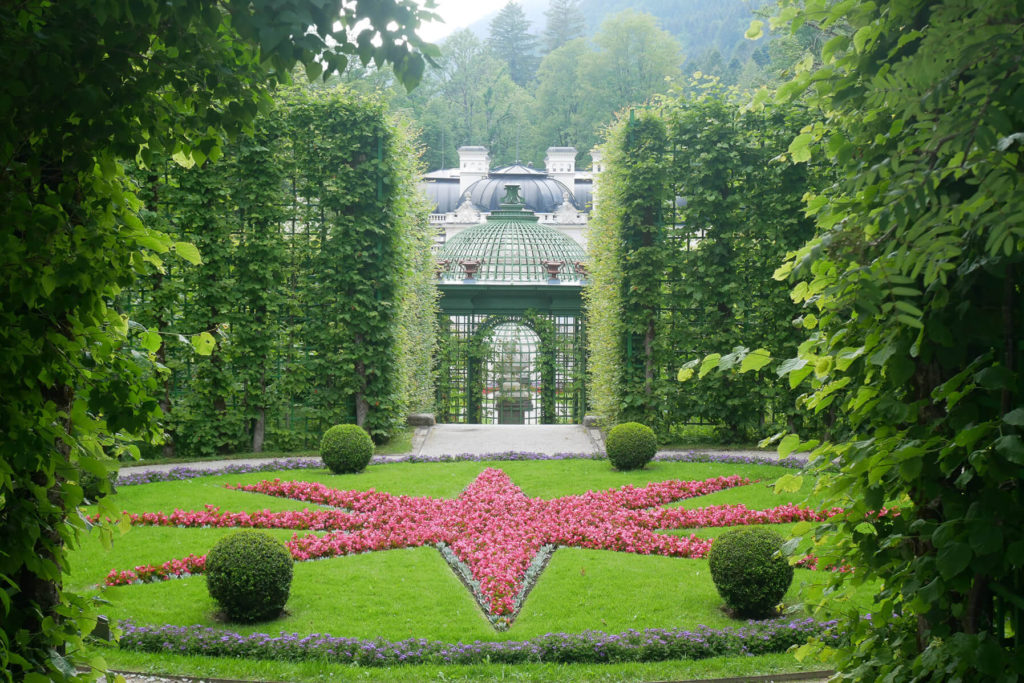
{"points": [[748, 573], [631, 445], [346, 449], [912, 292], [249, 574], [87, 87], [912, 304], [635, 194], [743, 214]]}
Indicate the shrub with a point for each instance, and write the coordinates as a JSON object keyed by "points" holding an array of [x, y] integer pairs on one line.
{"points": [[631, 445], [249, 574], [748, 574], [346, 448]]}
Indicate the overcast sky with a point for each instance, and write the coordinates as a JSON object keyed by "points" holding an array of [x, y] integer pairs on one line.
{"points": [[458, 14]]}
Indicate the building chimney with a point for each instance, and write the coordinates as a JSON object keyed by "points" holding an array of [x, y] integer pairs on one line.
{"points": [[560, 164], [597, 156], [474, 165]]}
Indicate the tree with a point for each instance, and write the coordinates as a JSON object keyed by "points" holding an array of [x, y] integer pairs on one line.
{"points": [[912, 297], [558, 108], [633, 60], [565, 22], [480, 103], [87, 85], [511, 41]]}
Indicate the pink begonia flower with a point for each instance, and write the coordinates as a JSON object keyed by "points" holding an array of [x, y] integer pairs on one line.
{"points": [[492, 527]]}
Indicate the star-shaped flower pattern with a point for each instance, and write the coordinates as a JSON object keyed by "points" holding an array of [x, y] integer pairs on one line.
{"points": [[492, 528]]}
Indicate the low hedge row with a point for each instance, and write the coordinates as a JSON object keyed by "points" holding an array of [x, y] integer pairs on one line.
{"points": [[589, 647]]}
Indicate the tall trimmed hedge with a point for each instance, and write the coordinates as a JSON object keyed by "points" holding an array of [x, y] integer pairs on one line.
{"points": [[695, 210], [314, 280]]}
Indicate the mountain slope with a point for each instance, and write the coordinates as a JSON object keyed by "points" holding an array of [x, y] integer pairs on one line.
{"points": [[698, 24]]}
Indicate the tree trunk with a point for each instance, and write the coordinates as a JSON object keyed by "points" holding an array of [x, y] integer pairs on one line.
{"points": [[362, 406], [259, 430]]}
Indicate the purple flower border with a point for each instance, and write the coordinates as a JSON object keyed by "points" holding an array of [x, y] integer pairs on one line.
{"points": [[127, 478], [648, 645]]}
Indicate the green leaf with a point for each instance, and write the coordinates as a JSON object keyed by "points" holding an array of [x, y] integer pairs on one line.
{"points": [[684, 374], [755, 31], [800, 148], [150, 341], [866, 528], [790, 546], [203, 343], [789, 483], [1011, 447], [183, 159], [863, 36], [995, 377], [313, 70], [1015, 417], [953, 559], [709, 363], [789, 443], [986, 539], [189, 252], [768, 441], [945, 534], [799, 376], [158, 243], [755, 360], [790, 365], [909, 308]]}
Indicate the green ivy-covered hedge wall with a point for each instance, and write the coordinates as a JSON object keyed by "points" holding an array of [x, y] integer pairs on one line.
{"points": [[315, 281], [696, 208]]}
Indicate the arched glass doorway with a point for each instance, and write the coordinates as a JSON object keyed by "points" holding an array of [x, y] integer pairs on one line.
{"points": [[512, 377], [492, 367]]}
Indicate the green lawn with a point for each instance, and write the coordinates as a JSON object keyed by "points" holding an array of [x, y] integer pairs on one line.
{"points": [[412, 592]]}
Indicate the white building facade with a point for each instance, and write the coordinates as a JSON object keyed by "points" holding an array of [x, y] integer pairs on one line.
{"points": [[560, 195]]}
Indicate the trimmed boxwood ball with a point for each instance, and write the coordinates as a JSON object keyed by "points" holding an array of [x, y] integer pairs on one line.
{"points": [[748, 575], [630, 445], [346, 449], [249, 574]]}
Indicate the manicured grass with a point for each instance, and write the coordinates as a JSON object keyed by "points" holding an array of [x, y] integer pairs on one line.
{"points": [[413, 593]]}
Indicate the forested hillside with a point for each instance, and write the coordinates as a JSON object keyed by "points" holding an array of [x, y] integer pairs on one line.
{"points": [[542, 73], [700, 26]]}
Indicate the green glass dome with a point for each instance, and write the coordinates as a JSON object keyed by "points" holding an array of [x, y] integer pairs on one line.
{"points": [[511, 247]]}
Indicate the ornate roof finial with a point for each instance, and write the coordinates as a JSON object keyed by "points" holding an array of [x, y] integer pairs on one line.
{"points": [[470, 267], [511, 195]]}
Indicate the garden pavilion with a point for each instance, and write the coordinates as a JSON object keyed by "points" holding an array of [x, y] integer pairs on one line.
{"points": [[512, 333]]}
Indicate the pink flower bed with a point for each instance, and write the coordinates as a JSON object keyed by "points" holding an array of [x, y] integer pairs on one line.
{"points": [[492, 527]]}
